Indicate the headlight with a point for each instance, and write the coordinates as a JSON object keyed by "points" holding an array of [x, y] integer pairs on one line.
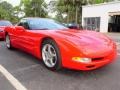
{"points": [[1, 30], [82, 60]]}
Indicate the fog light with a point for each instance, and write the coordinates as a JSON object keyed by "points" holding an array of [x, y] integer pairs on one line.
{"points": [[83, 60]]}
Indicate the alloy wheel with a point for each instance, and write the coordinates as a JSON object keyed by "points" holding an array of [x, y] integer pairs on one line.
{"points": [[49, 55]]}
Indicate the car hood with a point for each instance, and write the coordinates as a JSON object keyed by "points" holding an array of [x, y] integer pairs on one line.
{"points": [[83, 37], [89, 42]]}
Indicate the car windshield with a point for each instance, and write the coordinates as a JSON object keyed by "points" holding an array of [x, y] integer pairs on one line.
{"points": [[5, 23], [45, 24]]}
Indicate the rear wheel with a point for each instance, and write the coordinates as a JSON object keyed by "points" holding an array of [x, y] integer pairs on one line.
{"points": [[51, 55], [8, 42]]}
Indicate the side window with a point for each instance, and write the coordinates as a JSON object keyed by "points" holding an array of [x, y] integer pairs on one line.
{"points": [[24, 23]]}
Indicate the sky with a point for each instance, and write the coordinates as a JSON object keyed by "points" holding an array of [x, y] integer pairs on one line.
{"points": [[17, 2], [13, 2]]}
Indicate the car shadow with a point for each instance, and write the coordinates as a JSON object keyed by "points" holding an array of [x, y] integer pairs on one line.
{"points": [[77, 73], [101, 72]]}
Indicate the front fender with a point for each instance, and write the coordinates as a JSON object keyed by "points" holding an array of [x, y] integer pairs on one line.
{"points": [[68, 50]]}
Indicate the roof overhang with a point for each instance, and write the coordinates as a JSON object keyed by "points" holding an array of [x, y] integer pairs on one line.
{"points": [[114, 13]]}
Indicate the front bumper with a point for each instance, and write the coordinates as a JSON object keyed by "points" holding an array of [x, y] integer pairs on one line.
{"points": [[92, 65]]}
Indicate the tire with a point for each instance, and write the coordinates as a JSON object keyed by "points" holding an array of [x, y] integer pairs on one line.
{"points": [[8, 42], [51, 55]]}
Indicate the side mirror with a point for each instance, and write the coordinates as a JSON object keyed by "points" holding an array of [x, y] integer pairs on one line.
{"points": [[20, 28]]}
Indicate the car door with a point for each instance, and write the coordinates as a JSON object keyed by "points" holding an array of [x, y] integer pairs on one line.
{"points": [[26, 38], [16, 36]]}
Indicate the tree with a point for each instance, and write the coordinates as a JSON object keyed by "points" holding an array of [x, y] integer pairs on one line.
{"points": [[34, 8], [7, 11], [72, 8]]}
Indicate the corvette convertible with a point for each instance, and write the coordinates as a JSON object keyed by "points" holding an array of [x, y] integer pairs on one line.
{"points": [[59, 47], [3, 24]]}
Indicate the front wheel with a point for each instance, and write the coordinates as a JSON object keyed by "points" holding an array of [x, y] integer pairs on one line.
{"points": [[51, 55]]}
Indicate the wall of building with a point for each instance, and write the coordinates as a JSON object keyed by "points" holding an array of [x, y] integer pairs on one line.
{"points": [[102, 11]]}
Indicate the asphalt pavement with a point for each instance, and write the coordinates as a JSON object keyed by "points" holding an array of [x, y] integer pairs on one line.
{"points": [[32, 74]]}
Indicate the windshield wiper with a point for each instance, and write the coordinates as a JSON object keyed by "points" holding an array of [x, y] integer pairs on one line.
{"points": [[41, 29]]}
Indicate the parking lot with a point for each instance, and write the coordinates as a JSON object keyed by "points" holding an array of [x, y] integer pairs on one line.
{"points": [[30, 74]]}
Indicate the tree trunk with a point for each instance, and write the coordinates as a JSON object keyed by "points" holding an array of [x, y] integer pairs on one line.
{"points": [[76, 19], [68, 18]]}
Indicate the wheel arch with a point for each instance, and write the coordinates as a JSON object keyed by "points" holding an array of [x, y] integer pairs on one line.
{"points": [[46, 38], [7, 29], [6, 33], [40, 43]]}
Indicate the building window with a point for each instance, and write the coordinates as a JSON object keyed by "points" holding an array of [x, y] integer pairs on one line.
{"points": [[92, 23]]}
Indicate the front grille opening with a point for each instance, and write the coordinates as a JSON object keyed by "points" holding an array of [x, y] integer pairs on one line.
{"points": [[97, 59], [91, 66]]}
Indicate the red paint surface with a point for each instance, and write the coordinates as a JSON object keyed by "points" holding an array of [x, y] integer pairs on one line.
{"points": [[72, 43], [2, 34]]}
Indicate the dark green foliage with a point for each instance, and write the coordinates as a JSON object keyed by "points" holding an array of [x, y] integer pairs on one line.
{"points": [[7, 12]]}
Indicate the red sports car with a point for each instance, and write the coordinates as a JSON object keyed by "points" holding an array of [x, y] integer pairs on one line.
{"points": [[59, 46], [3, 24]]}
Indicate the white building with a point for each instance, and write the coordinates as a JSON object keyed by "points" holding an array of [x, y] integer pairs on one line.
{"points": [[104, 17]]}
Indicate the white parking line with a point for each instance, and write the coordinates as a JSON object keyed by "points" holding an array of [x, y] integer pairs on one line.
{"points": [[12, 79]]}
